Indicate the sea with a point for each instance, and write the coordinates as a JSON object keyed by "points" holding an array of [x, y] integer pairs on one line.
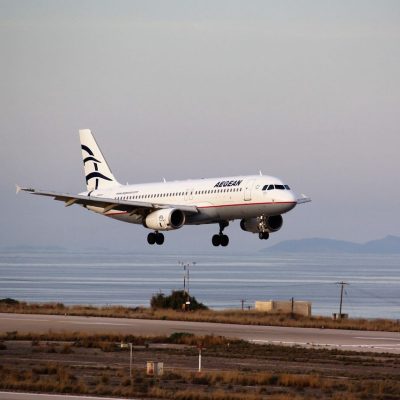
{"points": [[372, 288]]}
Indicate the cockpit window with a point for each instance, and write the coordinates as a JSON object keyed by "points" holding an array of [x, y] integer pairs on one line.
{"points": [[265, 187], [280, 187], [287, 187], [270, 187]]}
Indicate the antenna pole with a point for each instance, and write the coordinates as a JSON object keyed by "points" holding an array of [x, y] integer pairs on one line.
{"points": [[341, 296]]}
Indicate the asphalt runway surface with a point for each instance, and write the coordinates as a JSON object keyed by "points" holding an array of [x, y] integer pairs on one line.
{"points": [[308, 337]]}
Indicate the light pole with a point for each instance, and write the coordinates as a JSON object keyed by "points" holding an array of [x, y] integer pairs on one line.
{"points": [[186, 276], [125, 345]]}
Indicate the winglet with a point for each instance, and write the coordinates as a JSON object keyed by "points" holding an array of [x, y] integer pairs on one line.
{"points": [[303, 199], [21, 189]]}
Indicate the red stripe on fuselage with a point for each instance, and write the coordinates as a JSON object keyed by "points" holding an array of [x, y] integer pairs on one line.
{"points": [[248, 204]]}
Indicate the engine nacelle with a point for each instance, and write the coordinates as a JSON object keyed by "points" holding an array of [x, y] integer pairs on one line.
{"points": [[262, 224], [165, 219]]}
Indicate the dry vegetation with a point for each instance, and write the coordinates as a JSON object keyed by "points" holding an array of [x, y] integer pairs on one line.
{"points": [[250, 317], [96, 364]]}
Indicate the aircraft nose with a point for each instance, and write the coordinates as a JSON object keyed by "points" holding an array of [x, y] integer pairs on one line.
{"points": [[289, 198], [292, 197]]}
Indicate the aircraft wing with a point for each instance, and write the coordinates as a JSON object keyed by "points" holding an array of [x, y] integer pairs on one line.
{"points": [[303, 199], [109, 204]]}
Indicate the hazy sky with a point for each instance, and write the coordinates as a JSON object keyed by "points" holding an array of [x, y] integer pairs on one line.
{"points": [[304, 90]]}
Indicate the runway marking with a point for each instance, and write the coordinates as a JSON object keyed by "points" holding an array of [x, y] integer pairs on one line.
{"points": [[376, 338], [94, 323], [363, 346], [27, 319]]}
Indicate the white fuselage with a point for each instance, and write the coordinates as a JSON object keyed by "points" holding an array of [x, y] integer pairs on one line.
{"points": [[217, 199]]}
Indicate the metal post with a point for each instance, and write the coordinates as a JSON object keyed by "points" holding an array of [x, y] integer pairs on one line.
{"points": [[199, 359], [188, 291], [184, 278], [292, 306], [341, 301], [130, 360], [341, 296]]}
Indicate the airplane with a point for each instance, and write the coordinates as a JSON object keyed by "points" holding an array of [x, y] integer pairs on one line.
{"points": [[257, 200]]}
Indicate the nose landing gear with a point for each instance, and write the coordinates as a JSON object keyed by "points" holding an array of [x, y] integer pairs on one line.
{"points": [[221, 239], [155, 237], [262, 226]]}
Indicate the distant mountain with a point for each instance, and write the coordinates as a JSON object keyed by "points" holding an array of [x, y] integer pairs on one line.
{"points": [[388, 245]]}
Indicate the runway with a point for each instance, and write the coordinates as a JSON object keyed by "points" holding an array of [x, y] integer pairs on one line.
{"points": [[308, 337]]}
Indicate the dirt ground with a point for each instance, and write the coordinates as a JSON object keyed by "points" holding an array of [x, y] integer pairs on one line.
{"points": [[231, 370]]}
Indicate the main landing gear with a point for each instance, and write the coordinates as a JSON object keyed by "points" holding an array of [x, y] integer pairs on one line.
{"points": [[263, 235], [221, 239], [155, 237]]}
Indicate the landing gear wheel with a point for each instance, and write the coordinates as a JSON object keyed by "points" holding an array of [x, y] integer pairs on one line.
{"points": [[151, 238], [221, 239], [216, 240], [263, 235], [159, 238], [224, 240]]}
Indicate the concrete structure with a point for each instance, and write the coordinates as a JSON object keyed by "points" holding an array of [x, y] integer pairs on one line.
{"points": [[285, 307]]}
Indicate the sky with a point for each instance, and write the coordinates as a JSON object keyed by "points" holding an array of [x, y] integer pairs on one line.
{"points": [[307, 91]]}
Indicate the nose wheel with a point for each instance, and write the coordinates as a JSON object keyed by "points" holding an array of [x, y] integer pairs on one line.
{"points": [[155, 237], [221, 239]]}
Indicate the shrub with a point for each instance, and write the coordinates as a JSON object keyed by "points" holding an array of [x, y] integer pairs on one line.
{"points": [[9, 302], [177, 337], [176, 301]]}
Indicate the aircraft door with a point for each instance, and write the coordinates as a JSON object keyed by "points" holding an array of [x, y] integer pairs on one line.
{"points": [[247, 189]]}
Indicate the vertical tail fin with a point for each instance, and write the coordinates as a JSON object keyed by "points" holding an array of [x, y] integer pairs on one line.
{"points": [[97, 172]]}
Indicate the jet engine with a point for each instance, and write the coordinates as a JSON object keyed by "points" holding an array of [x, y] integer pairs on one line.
{"points": [[262, 224], [165, 219]]}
